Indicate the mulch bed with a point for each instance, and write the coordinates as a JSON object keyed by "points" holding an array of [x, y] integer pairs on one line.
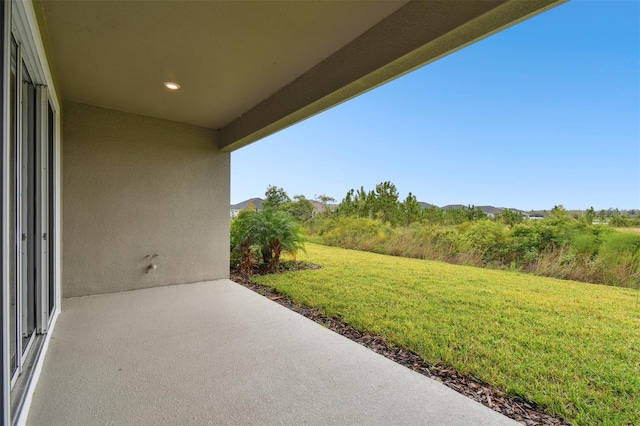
{"points": [[522, 411]]}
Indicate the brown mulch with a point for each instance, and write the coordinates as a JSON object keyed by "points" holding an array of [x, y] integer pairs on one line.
{"points": [[522, 411]]}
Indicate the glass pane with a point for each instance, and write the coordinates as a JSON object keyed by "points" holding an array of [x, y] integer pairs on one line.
{"points": [[51, 236], [3, 298], [29, 216], [13, 210], [3, 319]]}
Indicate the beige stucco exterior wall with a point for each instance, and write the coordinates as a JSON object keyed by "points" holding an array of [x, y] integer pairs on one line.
{"points": [[136, 186]]}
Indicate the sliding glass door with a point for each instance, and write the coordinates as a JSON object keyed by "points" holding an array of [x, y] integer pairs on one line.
{"points": [[30, 162], [30, 210], [4, 291], [29, 295], [50, 234], [13, 213]]}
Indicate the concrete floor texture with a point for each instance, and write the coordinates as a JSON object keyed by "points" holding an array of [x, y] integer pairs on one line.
{"points": [[217, 353]]}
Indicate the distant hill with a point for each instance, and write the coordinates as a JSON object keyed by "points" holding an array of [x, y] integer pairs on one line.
{"points": [[498, 210], [426, 205], [452, 206], [318, 207], [488, 210], [257, 203]]}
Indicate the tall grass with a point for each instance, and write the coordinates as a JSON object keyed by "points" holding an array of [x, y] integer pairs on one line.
{"points": [[560, 249]]}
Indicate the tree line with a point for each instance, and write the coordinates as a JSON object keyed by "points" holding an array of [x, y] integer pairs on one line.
{"points": [[562, 245]]}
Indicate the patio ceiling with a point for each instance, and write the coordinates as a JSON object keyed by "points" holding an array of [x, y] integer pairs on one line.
{"points": [[250, 69]]}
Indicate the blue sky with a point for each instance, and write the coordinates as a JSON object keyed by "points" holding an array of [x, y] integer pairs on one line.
{"points": [[546, 112]]}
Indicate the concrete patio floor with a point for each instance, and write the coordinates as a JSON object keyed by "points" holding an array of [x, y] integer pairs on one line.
{"points": [[217, 353]]}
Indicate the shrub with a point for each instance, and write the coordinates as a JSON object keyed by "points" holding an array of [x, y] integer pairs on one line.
{"points": [[261, 237], [524, 243], [489, 239], [355, 233], [619, 259], [618, 221], [301, 209], [586, 244], [560, 247]]}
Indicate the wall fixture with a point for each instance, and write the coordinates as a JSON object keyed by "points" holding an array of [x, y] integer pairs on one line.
{"points": [[152, 266]]}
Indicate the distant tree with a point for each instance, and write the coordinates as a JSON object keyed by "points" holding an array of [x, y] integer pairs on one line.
{"points": [[475, 213], [559, 214], [300, 209], [509, 217], [410, 210], [347, 206], [464, 214], [455, 216], [617, 221], [385, 202], [612, 212], [357, 203], [275, 198], [589, 215], [325, 200], [364, 203], [434, 215]]}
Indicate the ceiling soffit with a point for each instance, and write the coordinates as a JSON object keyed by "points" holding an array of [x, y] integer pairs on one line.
{"points": [[227, 56]]}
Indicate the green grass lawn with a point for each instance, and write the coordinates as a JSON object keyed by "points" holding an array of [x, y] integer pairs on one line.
{"points": [[570, 347]]}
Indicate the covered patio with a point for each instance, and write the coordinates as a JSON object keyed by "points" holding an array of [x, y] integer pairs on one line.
{"points": [[118, 123], [217, 353]]}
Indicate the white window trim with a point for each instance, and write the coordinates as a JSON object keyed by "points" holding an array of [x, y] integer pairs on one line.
{"points": [[5, 377]]}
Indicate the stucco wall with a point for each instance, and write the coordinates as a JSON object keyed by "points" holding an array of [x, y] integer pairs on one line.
{"points": [[135, 186]]}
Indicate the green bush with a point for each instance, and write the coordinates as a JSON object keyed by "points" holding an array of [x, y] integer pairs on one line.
{"points": [[489, 239], [586, 244], [619, 259], [259, 238], [524, 244]]}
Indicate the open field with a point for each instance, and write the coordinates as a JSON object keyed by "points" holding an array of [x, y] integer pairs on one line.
{"points": [[570, 347]]}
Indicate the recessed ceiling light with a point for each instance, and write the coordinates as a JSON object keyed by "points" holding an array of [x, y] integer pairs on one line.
{"points": [[171, 85]]}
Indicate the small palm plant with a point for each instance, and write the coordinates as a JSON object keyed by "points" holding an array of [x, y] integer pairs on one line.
{"points": [[259, 238]]}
